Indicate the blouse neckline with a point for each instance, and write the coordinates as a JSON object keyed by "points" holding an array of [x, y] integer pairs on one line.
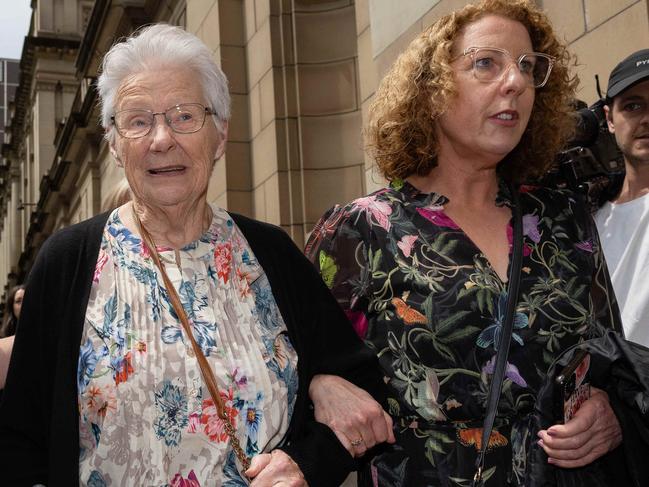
{"points": [[420, 198], [198, 248]]}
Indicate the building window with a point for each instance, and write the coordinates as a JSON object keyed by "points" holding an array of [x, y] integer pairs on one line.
{"points": [[84, 14], [58, 103]]}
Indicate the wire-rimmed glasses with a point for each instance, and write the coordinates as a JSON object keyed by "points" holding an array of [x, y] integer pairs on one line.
{"points": [[185, 118], [491, 63]]}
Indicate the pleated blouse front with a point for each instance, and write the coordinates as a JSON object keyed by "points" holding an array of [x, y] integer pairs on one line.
{"points": [[145, 416]]}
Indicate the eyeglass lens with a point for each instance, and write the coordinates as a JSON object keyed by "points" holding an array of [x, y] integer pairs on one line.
{"points": [[490, 64], [183, 119]]}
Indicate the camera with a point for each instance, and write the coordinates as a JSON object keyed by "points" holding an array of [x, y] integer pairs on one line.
{"points": [[591, 164]]}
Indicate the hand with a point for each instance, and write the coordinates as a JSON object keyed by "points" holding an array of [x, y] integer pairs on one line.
{"points": [[355, 417], [592, 432], [275, 469]]}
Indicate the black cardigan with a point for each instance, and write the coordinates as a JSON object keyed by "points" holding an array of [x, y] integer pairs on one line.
{"points": [[39, 416]]}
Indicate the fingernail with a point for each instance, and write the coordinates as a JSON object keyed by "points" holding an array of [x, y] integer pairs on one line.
{"points": [[539, 435], [550, 460], [540, 443]]}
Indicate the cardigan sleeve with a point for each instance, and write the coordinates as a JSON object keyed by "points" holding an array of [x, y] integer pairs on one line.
{"points": [[337, 248], [24, 425], [39, 439], [331, 347], [325, 343]]}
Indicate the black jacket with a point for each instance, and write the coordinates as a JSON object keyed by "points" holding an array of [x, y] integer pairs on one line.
{"points": [[39, 416], [621, 368]]}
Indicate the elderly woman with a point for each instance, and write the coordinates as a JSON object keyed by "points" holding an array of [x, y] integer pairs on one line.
{"points": [[478, 103], [164, 343]]}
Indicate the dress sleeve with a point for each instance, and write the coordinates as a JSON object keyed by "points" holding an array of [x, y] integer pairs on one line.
{"points": [[325, 343], [328, 345], [337, 248], [604, 307]]}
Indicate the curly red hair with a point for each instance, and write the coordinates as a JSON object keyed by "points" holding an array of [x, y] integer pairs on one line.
{"points": [[420, 86]]}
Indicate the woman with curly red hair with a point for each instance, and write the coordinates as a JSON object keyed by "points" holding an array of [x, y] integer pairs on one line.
{"points": [[475, 106]]}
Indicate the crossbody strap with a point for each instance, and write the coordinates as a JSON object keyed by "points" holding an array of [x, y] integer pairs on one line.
{"points": [[505, 336], [206, 370]]}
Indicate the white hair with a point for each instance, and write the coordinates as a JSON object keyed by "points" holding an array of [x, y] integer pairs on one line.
{"points": [[161, 45]]}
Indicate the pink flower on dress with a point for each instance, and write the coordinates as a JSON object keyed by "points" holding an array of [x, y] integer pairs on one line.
{"points": [[223, 260], [406, 244], [214, 426], [99, 401], [526, 188], [358, 321], [194, 423], [190, 481], [144, 250], [244, 284], [380, 211], [527, 250], [436, 215], [101, 262]]}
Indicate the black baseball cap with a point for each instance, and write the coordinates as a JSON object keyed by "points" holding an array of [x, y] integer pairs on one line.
{"points": [[630, 71]]}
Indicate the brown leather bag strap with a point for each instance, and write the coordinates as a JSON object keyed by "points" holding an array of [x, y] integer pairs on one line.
{"points": [[206, 370]]}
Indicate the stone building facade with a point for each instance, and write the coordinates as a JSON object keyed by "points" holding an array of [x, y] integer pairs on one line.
{"points": [[302, 74], [9, 74]]}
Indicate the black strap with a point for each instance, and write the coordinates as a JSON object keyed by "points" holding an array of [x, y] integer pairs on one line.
{"points": [[505, 336]]}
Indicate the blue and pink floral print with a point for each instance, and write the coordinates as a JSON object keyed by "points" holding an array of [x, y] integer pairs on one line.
{"points": [[145, 416]]}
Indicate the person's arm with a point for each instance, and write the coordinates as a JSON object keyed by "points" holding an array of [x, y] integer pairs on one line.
{"points": [[324, 342], [23, 424], [337, 250], [594, 430], [6, 345], [333, 348]]}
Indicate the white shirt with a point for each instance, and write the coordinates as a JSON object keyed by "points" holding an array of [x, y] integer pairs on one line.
{"points": [[624, 233]]}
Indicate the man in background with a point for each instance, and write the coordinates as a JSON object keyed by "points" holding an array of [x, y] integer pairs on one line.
{"points": [[623, 223]]}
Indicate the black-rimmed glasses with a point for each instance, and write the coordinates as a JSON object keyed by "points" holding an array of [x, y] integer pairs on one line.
{"points": [[185, 118], [490, 64]]}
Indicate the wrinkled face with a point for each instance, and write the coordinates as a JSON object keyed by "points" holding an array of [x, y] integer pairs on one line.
{"points": [[18, 302], [165, 168], [487, 119], [628, 120]]}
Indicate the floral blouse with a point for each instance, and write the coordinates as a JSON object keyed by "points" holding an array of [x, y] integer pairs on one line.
{"points": [[428, 302], [145, 417]]}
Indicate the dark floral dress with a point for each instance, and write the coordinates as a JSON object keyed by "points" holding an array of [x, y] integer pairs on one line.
{"points": [[428, 302]]}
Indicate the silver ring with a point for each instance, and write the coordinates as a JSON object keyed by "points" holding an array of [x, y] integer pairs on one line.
{"points": [[357, 442]]}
